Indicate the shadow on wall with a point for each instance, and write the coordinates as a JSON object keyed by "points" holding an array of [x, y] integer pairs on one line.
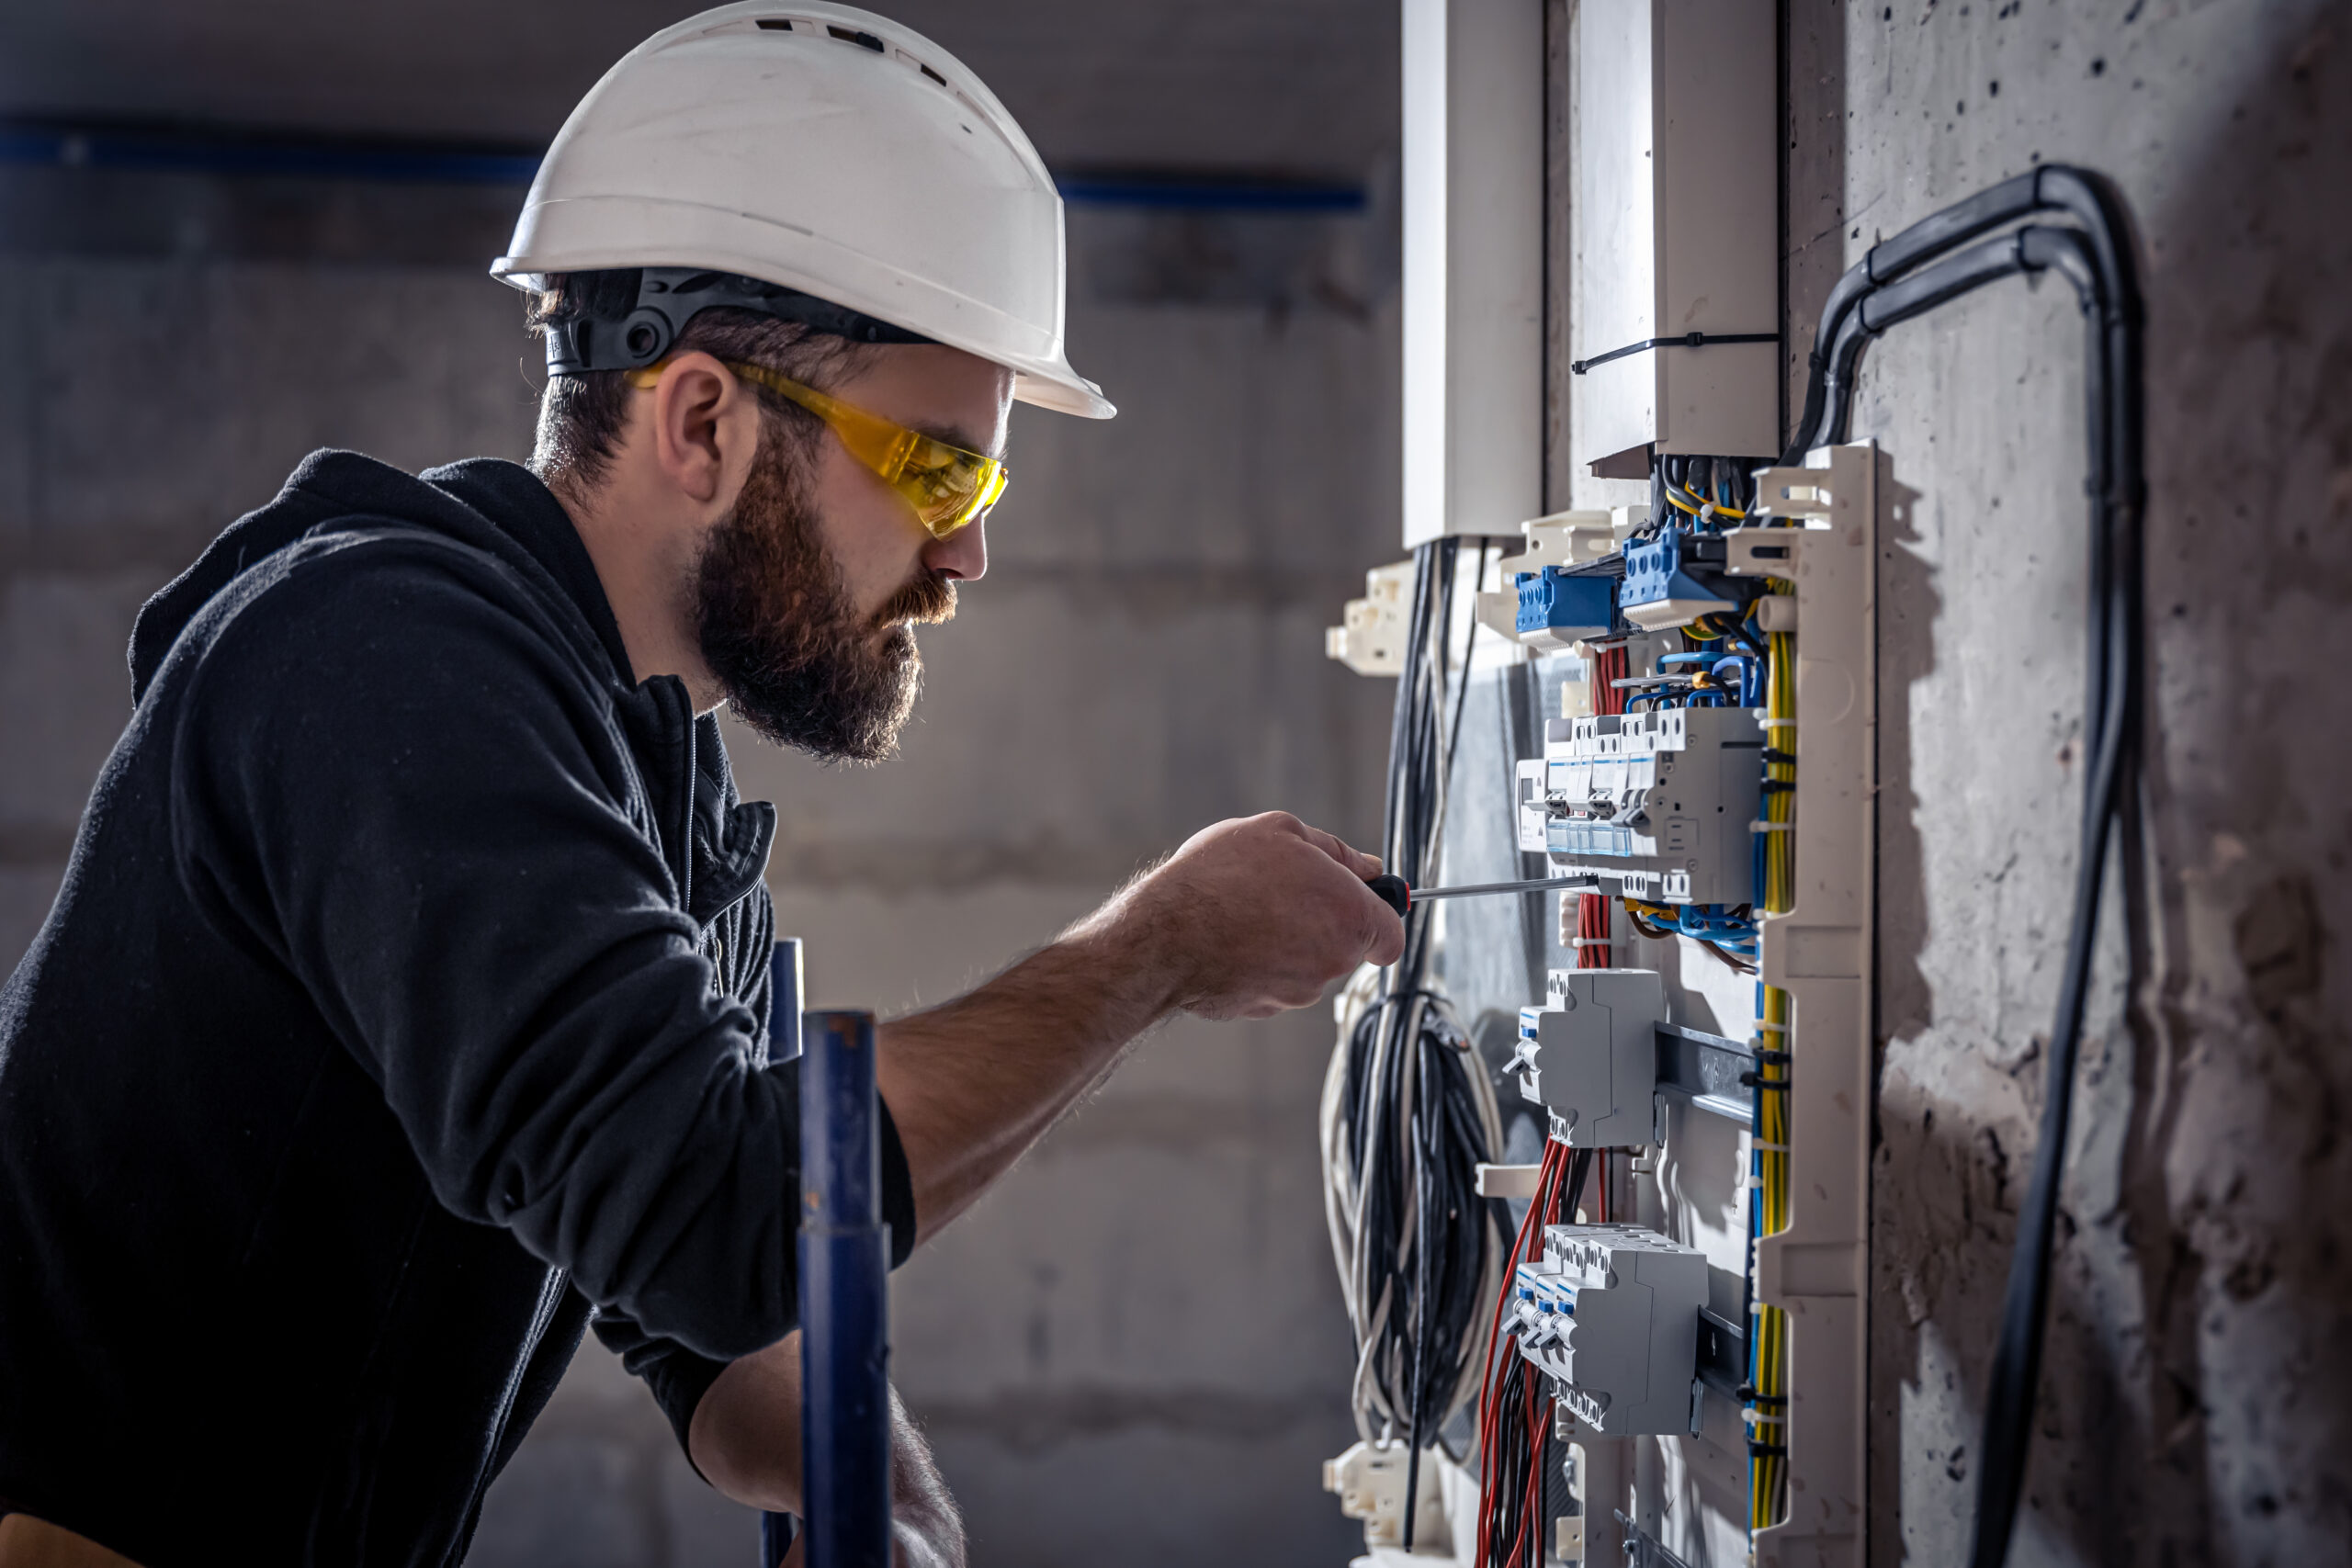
{"points": [[2193, 1403]]}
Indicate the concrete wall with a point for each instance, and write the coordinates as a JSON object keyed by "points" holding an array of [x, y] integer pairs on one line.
{"points": [[1134, 1348], [2195, 1403]]}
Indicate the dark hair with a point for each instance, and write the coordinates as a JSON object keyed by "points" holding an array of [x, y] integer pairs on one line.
{"points": [[582, 416]]}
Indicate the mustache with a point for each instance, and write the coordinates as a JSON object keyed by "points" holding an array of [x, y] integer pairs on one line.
{"points": [[927, 601]]}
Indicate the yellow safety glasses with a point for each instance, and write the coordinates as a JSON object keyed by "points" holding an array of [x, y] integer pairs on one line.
{"points": [[947, 486]]}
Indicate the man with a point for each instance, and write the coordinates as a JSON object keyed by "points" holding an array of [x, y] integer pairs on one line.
{"points": [[404, 1004]]}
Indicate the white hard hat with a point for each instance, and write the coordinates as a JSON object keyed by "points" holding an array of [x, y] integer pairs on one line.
{"points": [[828, 151]]}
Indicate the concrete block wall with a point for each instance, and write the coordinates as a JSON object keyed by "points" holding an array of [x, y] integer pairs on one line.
{"points": [[1134, 1348], [2195, 1405]]}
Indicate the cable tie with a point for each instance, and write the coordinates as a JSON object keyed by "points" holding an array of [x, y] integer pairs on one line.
{"points": [[1779, 759], [1773, 1058], [1771, 827], [1775, 1028], [1760, 1143], [1776, 724], [1766, 1450], [1751, 1081], [1746, 1391], [1590, 942]]}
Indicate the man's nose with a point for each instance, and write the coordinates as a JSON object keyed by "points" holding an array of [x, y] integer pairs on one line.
{"points": [[962, 555]]}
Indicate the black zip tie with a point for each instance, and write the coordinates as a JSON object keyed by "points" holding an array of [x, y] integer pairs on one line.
{"points": [[1751, 1081], [1773, 1058], [1688, 340], [1766, 1450], [1779, 786], [1747, 1392], [1780, 758]]}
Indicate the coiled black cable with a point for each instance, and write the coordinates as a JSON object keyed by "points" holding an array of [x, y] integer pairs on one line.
{"points": [[1420, 1251]]}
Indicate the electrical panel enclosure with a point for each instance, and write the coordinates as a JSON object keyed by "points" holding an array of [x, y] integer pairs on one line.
{"points": [[1676, 227]]}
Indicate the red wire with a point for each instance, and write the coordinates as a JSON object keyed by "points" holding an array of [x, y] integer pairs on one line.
{"points": [[1546, 1199], [1592, 910], [1534, 1479]]}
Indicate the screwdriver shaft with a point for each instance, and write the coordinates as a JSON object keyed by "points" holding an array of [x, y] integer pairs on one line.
{"points": [[1540, 885]]}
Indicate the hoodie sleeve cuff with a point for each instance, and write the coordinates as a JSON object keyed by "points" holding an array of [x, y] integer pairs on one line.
{"points": [[677, 1377]]}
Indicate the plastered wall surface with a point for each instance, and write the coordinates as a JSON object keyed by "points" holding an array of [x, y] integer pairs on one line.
{"points": [[2195, 1393], [1134, 1348]]}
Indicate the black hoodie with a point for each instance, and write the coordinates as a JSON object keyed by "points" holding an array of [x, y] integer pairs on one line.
{"points": [[405, 995]]}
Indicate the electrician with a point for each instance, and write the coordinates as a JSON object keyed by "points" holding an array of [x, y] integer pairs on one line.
{"points": [[404, 1004]]}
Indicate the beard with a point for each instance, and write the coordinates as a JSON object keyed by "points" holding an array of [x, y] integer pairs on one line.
{"points": [[779, 630]]}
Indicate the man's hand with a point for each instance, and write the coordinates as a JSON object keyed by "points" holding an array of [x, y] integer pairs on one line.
{"points": [[745, 1439], [1247, 918], [1253, 916]]}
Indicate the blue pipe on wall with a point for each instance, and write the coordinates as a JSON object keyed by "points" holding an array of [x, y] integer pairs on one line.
{"points": [[250, 154]]}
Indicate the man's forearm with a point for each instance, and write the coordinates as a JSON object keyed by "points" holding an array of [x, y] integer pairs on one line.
{"points": [[972, 1085], [745, 1439], [1249, 918]]}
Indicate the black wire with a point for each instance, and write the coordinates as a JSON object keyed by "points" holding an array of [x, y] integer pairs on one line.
{"points": [[1881, 290], [1417, 1141]]}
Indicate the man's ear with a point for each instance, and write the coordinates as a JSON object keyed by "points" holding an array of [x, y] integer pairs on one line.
{"points": [[706, 430]]}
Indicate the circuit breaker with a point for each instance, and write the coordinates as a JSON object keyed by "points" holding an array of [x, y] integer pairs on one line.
{"points": [[1589, 1056], [1656, 807], [1610, 1313]]}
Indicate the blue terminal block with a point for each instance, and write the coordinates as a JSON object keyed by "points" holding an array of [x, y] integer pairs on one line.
{"points": [[1570, 607], [1656, 582]]}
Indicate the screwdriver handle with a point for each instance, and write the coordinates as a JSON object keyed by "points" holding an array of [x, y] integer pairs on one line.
{"points": [[1394, 891]]}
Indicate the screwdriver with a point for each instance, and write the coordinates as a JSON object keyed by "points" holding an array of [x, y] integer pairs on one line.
{"points": [[1398, 895]]}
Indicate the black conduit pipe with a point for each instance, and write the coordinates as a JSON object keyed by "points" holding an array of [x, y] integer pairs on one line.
{"points": [[1922, 268]]}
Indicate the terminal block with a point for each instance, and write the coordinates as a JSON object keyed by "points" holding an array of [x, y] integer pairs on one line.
{"points": [[1372, 639], [1677, 577], [1556, 609], [1589, 1056], [1650, 805], [1611, 1314]]}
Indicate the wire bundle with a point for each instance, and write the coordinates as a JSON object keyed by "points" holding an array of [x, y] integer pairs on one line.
{"points": [[1409, 1110], [1609, 666], [1765, 1395], [1515, 1414], [1711, 491]]}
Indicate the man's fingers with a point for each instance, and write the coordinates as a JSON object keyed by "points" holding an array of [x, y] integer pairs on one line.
{"points": [[1365, 866], [1388, 945]]}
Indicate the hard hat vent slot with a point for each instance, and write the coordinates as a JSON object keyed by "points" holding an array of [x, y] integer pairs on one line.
{"points": [[930, 73], [774, 25], [851, 35]]}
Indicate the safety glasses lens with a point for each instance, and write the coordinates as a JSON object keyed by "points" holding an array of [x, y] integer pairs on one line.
{"points": [[949, 488]]}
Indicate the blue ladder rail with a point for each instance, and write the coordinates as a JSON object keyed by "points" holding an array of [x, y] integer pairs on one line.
{"points": [[845, 1258]]}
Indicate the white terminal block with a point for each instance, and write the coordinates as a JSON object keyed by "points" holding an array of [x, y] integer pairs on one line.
{"points": [[1370, 1479], [1370, 641], [1610, 1313], [1589, 1056], [1651, 806]]}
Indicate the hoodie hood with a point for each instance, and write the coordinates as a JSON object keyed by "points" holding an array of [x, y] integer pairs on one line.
{"points": [[531, 533]]}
